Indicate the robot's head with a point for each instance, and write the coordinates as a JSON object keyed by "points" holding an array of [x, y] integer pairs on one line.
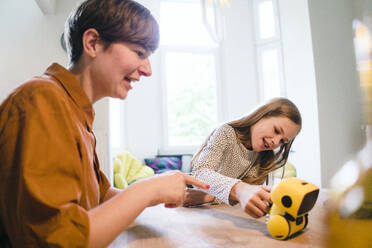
{"points": [[295, 196]]}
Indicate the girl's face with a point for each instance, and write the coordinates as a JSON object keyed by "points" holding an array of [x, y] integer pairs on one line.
{"points": [[272, 132]]}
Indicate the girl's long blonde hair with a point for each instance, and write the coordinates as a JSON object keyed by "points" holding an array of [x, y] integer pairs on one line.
{"points": [[266, 160]]}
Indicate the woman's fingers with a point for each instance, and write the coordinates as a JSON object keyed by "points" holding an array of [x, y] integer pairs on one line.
{"points": [[175, 187], [175, 201]]}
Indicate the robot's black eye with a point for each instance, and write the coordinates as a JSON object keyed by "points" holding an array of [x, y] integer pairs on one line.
{"points": [[304, 183], [286, 201]]}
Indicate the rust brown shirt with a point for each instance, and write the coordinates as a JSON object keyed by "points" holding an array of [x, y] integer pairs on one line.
{"points": [[49, 171]]}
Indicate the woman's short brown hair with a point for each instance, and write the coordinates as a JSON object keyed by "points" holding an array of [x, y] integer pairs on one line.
{"points": [[115, 21]]}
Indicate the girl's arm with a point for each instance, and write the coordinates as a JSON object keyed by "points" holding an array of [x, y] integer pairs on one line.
{"points": [[206, 167]]}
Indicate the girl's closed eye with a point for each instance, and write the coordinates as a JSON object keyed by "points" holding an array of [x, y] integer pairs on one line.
{"points": [[276, 130]]}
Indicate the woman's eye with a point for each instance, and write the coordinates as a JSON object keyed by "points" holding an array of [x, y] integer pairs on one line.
{"points": [[276, 131], [139, 53]]}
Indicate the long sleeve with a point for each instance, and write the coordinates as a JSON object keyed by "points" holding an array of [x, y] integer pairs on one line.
{"points": [[40, 146], [208, 165], [49, 171]]}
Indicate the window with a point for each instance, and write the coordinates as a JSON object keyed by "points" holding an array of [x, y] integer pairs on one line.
{"points": [[189, 66], [269, 49], [266, 20]]}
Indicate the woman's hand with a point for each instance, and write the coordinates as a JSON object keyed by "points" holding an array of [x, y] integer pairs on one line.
{"points": [[254, 200], [113, 216], [170, 188], [196, 197]]}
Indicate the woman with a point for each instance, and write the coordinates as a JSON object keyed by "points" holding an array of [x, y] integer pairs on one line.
{"points": [[238, 155], [52, 191]]}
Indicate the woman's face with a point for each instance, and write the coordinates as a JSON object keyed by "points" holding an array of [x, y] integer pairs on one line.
{"points": [[272, 132], [117, 67]]}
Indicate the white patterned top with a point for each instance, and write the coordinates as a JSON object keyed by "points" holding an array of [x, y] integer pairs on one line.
{"points": [[222, 162]]}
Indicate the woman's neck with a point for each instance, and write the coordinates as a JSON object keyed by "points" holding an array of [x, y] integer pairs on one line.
{"points": [[83, 75]]}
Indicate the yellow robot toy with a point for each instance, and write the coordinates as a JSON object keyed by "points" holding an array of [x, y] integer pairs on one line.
{"points": [[293, 198]]}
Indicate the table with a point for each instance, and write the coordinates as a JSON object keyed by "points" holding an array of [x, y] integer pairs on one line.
{"points": [[214, 226]]}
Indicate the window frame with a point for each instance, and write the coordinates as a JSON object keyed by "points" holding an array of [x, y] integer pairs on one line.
{"points": [[256, 22], [262, 45], [260, 50]]}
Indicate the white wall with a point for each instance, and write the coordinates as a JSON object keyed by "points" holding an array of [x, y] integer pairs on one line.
{"points": [[101, 132], [29, 41], [339, 101], [322, 80], [363, 11], [301, 86]]}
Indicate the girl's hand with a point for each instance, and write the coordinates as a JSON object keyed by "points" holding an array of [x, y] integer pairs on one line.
{"points": [[254, 200], [196, 197]]}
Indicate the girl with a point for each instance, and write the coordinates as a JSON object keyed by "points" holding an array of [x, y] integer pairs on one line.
{"points": [[239, 155]]}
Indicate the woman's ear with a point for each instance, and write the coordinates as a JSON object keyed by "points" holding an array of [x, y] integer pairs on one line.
{"points": [[91, 42]]}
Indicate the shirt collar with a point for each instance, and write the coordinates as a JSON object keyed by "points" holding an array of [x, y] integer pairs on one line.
{"points": [[73, 88]]}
